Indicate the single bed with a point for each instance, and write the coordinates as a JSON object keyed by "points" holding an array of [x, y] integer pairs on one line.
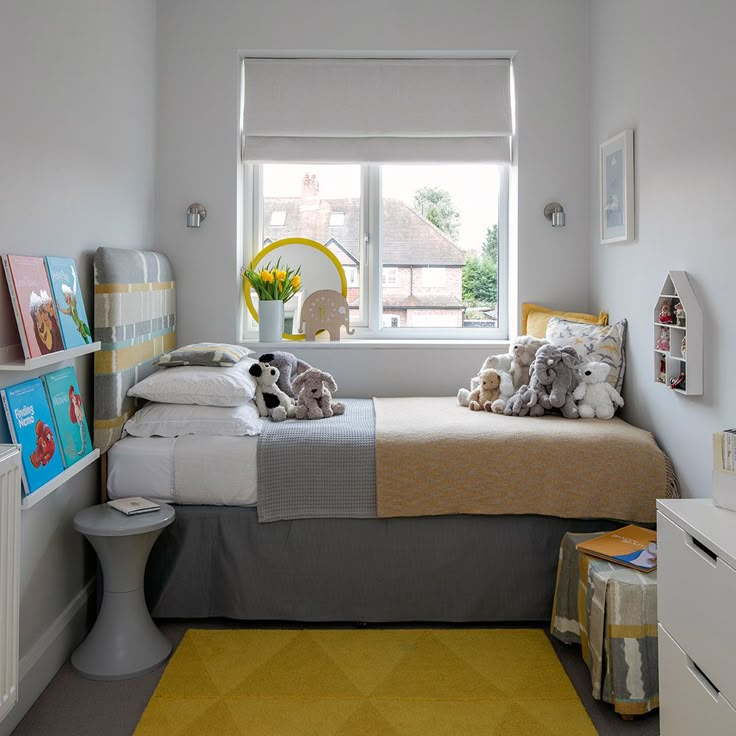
{"points": [[488, 563]]}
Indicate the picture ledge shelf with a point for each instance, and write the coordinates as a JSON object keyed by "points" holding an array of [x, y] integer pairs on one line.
{"points": [[38, 495], [29, 364]]}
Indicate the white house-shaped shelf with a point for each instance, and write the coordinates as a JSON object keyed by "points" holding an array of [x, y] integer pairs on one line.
{"points": [[678, 336]]}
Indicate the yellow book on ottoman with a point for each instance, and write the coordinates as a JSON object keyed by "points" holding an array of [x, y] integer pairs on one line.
{"points": [[631, 545]]}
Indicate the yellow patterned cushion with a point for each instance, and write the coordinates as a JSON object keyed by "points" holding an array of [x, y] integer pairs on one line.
{"points": [[534, 318]]}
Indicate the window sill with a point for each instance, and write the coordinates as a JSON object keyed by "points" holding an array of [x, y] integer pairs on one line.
{"points": [[388, 344]]}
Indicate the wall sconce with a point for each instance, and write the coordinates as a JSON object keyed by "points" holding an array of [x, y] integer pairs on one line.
{"points": [[196, 214], [555, 214]]}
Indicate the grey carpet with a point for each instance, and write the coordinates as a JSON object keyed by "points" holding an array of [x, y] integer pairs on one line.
{"points": [[73, 706]]}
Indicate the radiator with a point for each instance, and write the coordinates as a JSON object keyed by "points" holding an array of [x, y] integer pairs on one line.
{"points": [[9, 575]]}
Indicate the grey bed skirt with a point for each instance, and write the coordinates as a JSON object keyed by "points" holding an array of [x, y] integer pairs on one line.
{"points": [[216, 561]]}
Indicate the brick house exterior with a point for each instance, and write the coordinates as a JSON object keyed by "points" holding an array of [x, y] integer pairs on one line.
{"points": [[422, 267]]}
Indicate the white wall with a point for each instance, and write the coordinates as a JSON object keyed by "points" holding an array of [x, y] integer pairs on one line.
{"points": [[666, 69], [77, 166], [199, 46]]}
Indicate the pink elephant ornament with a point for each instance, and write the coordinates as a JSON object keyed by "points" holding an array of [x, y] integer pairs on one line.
{"points": [[327, 310]]}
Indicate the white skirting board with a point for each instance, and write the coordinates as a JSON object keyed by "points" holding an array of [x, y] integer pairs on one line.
{"points": [[50, 651]]}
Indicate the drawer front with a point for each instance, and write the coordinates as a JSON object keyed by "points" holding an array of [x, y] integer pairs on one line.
{"points": [[696, 603], [689, 703]]}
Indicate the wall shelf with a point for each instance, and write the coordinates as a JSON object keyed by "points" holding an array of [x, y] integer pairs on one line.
{"points": [[29, 364], [38, 495], [670, 361]]}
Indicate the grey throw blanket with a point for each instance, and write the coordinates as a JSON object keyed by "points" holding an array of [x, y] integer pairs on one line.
{"points": [[319, 468]]}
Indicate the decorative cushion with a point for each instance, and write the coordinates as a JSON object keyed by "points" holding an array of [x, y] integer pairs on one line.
{"points": [[193, 384], [534, 318], [601, 343], [204, 353], [174, 420]]}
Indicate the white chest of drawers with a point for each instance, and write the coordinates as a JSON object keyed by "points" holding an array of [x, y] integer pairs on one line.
{"points": [[696, 602]]}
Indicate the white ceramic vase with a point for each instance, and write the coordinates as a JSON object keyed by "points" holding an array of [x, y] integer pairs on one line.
{"points": [[270, 320]]}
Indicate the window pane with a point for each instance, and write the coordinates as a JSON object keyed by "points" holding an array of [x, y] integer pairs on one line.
{"points": [[322, 203], [440, 237]]}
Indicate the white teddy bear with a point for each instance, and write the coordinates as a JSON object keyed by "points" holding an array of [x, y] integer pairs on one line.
{"points": [[595, 396]]}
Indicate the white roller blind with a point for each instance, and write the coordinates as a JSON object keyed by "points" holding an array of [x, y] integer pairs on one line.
{"points": [[377, 110]]}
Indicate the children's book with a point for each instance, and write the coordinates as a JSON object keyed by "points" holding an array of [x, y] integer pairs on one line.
{"points": [[69, 302], [134, 506], [32, 427], [35, 313], [66, 406], [631, 545]]}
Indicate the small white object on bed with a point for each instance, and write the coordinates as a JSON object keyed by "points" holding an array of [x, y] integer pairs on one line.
{"points": [[192, 469]]}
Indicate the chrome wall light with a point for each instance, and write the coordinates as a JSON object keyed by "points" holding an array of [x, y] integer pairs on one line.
{"points": [[555, 214], [196, 214]]}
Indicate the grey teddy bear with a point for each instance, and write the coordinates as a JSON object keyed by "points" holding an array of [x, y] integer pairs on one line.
{"points": [[289, 368], [552, 377]]}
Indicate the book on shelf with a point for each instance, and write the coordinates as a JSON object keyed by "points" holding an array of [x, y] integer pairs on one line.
{"points": [[35, 312], [133, 506], [632, 546], [65, 401], [724, 451], [32, 427], [11, 349], [69, 302]]}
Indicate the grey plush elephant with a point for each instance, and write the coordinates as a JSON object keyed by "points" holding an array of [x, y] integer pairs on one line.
{"points": [[552, 377], [523, 402], [289, 368]]}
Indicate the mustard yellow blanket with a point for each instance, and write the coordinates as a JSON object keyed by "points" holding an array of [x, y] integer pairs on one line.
{"points": [[435, 457]]}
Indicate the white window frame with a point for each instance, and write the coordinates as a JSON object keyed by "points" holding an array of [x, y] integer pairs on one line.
{"points": [[369, 325], [351, 275], [392, 272]]}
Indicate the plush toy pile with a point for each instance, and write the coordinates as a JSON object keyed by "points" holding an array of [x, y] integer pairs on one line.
{"points": [[536, 378], [513, 368], [290, 388]]}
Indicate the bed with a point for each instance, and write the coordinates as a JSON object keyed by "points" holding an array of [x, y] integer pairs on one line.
{"points": [[460, 557]]}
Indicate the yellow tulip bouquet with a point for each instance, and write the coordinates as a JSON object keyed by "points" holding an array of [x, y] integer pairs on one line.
{"points": [[274, 281]]}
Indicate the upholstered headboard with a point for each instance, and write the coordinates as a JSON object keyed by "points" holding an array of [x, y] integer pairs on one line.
{"points": [[135, 320]]}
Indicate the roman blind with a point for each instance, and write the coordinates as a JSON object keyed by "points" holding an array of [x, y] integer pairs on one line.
{"points": [[377, 110]]}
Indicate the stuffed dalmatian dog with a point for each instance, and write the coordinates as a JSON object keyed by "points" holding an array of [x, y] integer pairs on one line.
{"points": [[270, 399]]}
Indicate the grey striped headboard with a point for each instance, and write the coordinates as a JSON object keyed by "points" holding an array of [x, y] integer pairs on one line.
{"points": [[135, 320]]}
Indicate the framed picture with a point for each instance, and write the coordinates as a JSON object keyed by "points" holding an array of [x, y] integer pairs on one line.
{"points": [[617, 188]]}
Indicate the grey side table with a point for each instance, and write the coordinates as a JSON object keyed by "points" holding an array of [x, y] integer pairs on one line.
{"points": [[124, 641]]}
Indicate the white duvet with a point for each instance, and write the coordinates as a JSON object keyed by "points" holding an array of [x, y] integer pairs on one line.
{"points": [[191, 469]]}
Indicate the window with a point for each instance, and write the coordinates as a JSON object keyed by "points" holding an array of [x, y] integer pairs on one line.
{"points": [[434, 278], [278, 218], [352, 275], [428, 240], [390, 276], [440, 228]]}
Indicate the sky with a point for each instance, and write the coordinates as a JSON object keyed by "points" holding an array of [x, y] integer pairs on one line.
{"points": [[473, 188]]}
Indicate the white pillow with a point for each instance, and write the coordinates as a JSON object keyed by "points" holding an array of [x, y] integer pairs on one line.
{"points": [[174, 420], [194, 384]]}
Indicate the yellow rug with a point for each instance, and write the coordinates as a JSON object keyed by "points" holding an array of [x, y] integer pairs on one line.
{"points": [[366, 682]]}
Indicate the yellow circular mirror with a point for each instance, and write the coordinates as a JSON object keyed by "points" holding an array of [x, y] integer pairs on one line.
{"points": [[320, 269]]}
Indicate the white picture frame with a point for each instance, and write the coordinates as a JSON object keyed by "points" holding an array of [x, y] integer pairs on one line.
{"points": [[617, 188]]}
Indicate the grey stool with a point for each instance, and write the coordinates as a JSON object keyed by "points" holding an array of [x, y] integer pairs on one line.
{"points": [[124, 641]]}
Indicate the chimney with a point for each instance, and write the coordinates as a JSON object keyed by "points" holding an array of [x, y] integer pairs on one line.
{"points": [[310, 192]]}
